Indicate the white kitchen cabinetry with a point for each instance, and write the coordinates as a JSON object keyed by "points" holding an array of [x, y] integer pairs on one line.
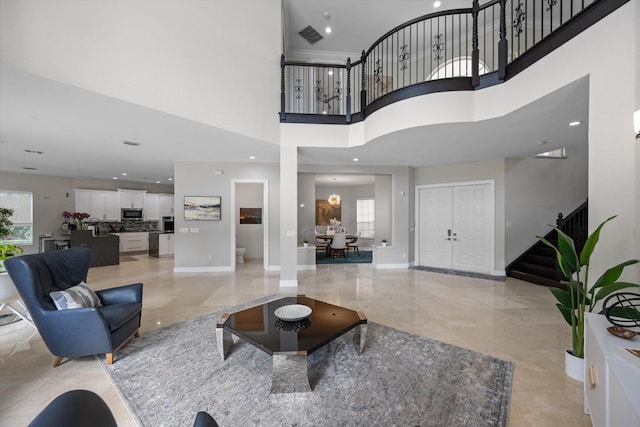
{"points": [[612, 376], [83, 201], [166, 204], [132, 198], [165, 244], [135, 241], [151, 207], [101, 204]]}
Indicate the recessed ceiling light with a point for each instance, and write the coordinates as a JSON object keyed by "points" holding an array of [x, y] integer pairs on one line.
{"points": [[541, 142], [115, 177], [437, 4], [324, 112], [170, 179], [326, 15], [327, 30], [355, 159], [331, 72], [576, 123], [252, 157], [124, 174]]}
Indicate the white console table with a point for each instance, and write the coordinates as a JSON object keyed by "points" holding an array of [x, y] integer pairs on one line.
{"points": [[612, 376]]}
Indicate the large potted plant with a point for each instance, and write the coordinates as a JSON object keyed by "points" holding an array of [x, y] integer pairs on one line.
{"points": [[579, 296], [6, 250]]}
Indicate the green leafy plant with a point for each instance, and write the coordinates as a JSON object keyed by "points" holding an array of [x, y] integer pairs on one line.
{"points": [[579, 297], [6, 250]]}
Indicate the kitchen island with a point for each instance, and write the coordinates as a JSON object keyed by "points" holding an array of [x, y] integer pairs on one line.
{"points": [[160, 244], [104, 248]]}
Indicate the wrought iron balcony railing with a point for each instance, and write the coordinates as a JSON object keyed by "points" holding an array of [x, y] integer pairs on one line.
{"points": [[461, 49]]}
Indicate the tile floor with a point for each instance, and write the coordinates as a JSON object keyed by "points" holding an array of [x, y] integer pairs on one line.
{"points": [[513, 320]]}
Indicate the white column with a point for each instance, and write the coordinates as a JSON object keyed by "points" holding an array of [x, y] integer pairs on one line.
{"points": [[288, 216]]}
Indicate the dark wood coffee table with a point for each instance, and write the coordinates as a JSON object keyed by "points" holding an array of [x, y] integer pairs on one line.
{"points": [[289, 343]]}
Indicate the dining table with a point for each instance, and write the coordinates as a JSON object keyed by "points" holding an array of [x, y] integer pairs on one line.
{"points": [[328, 238]]}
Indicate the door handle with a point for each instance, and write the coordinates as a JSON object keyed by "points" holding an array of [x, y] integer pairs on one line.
{"points": [[448, 234]]}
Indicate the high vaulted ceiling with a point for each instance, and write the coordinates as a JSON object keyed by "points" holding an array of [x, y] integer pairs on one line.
{"points": [[81, 133]]}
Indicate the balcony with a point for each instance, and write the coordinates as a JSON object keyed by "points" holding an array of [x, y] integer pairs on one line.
{"points": [[453, 50]]}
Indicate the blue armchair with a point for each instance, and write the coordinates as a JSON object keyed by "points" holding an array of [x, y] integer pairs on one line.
{"points": [[81, 331]]}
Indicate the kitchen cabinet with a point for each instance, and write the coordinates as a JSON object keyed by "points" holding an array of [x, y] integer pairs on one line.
{"points": [[612, 376], [166, 204], [151, 207], [161, 244], [132, 198], [134, 241], [101, 204]]}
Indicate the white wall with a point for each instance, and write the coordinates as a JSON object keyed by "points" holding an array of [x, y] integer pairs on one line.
{"points": [[209, 249], [306, 207], [200, 60], [383, 209], [249, 236], [536, 190]]}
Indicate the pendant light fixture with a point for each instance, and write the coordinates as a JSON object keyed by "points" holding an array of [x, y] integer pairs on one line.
{"points": [[334, 199]]}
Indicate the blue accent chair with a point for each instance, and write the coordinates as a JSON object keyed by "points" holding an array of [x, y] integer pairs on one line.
{"points": [[81, 331]]}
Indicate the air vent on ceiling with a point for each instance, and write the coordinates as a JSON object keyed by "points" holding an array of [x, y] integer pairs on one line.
{"points": [[33, 151], [133, 144], [310, 35], [29, 169]]}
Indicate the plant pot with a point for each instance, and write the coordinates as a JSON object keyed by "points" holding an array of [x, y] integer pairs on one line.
{"points": [[306, 245], [384, 244], [573, 366]]}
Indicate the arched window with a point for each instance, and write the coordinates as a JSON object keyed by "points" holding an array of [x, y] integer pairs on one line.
{"points": [[457, 67]]}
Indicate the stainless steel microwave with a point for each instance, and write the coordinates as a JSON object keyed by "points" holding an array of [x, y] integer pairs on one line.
{"points": [[131, 213]]}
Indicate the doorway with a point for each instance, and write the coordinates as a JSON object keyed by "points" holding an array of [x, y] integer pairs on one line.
{"points": [[250, 220], [456, 226]]}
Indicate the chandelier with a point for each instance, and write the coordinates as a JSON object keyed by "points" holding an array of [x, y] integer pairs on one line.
{"points": [[334, 199]]}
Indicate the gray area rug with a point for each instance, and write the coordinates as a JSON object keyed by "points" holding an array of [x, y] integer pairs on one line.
{"points": [[167, 375]]}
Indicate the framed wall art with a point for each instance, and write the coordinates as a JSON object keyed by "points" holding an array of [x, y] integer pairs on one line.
{"points": [[250, 215], [326, 212], [202, 208]]}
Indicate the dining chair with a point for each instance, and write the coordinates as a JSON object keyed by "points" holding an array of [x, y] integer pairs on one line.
{"points": [[331, 230], [322, 245], [339, 245], [353, 244]]}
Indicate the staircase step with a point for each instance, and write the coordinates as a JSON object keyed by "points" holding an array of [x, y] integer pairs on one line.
{"points": [[537, 270], [527, 277], [545, 261], [542, 250]]}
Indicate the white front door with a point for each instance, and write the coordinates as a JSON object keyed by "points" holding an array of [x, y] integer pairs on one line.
{"points": [[435, 227], [455, 227]]}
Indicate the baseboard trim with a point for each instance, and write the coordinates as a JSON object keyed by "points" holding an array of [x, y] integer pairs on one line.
{"points": [[307, 267], [460, 273], [202, 269], [403, 266], [288, 283]]}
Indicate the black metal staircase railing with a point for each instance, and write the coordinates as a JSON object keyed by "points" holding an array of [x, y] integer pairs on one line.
{"points": [[539, 264], [460, 49]]}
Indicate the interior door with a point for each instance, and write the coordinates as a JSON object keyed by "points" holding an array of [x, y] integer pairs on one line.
{"points": [[455, 227], [435, 227], [471, 228]]}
